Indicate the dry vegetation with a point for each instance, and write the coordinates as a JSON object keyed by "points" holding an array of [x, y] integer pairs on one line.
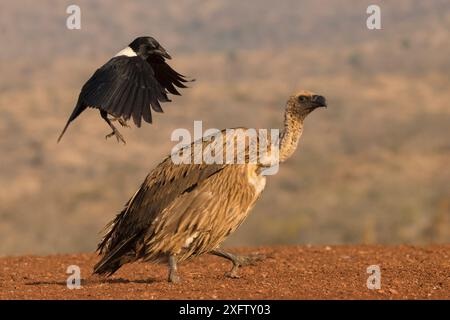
{"points": [[373, 168]]}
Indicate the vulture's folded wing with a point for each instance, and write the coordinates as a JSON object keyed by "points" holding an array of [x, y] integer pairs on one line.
{"points": [[161, 187]]}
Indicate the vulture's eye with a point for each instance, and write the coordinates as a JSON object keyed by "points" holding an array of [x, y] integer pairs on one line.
{"points": [[302, 98]]}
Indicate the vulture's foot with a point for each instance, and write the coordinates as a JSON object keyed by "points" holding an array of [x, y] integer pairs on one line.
{"points": [[174, 277], [233, 273], [250, 260], [238, 261]]}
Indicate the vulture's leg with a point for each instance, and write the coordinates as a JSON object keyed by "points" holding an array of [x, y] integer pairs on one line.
{"points": [[173, 274], [238, 260], [114, 132]]}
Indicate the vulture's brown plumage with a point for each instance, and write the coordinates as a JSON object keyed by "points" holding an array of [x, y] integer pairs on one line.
{"points": [[184, 210]]}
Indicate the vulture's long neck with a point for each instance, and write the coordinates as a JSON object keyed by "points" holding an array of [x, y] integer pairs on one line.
{"points": [[289, 137]]}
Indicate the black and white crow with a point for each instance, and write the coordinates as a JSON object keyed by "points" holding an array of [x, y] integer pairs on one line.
{"points": [[136, 79]]}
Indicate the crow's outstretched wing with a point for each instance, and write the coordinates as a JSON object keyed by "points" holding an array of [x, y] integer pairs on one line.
{"points": [[128, 87], [166, 76], [125, 87]]}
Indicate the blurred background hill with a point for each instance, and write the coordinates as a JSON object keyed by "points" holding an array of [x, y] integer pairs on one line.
{"points": [[372, 168]]}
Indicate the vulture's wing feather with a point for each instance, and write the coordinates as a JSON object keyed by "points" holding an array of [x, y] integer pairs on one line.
{"points": [[168, 192], [161, 187]]}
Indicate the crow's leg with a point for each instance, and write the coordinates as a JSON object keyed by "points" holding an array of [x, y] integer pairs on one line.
{"points": [[238, 260], [121, 121], [173, 273], [114, 132]]}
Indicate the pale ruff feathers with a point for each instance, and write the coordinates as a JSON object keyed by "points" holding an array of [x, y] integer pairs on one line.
{"points": [[257, 181], [126, 52], [189, 240]]}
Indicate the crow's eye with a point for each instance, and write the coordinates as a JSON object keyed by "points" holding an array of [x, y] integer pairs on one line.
{"points": [[302, 98]]}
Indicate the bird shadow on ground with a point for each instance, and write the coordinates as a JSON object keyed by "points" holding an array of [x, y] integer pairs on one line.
{"points": [[121, 280], [92, 281]]}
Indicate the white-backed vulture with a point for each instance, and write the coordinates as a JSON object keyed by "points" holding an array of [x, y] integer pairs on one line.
{"points": [[184, 210]]}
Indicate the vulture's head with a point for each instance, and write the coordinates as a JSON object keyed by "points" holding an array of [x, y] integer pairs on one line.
{"points": [[147, 46], [302, 103]]}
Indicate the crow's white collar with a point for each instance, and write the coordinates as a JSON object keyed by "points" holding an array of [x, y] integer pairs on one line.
{"points": [[126, 52]]}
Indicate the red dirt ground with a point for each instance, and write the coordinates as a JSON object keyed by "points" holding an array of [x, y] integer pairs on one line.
{"points": [[289, 272]]}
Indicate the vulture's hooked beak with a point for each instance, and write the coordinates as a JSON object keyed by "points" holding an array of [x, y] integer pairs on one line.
{"points": [[319, 101]]}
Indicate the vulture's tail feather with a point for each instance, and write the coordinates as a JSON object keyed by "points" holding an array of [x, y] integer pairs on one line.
{"points": [[111, 262]]}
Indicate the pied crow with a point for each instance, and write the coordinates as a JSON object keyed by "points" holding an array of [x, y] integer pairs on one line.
{"points": [[131, 83]]}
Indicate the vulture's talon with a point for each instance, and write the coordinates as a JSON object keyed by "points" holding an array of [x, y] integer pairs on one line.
{"points": [[174, 278], [232, 275]]}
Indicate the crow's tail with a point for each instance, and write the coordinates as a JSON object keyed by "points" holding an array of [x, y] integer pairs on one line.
{"points": [[64, 130], [76, 112]]}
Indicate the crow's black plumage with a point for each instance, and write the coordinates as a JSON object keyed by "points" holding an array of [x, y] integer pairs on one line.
{"points": [[129, 84]]}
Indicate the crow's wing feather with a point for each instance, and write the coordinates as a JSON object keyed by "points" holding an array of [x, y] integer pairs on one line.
{"points": [[129, 87], [124, 87], [166, 76]]}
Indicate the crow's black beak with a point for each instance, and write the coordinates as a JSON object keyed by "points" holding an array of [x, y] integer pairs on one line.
{"points": [[161, 51], [319, 101]]}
